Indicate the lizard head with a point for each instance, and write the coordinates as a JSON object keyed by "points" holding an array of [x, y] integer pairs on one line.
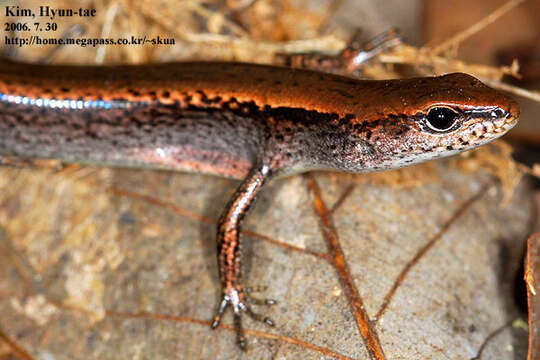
{"points": [[443, 116]]}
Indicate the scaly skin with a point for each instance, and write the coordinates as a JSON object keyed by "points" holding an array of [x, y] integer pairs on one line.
{"points": [[243, 121]]}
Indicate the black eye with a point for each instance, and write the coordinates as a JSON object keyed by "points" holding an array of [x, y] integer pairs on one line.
{"points": [[441, 118]]}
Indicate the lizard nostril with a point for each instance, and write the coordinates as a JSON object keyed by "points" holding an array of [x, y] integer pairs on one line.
{"points": [[499, 114]]}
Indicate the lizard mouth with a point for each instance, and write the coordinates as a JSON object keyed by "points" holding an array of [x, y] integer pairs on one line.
{"points": [[501, 126], [502, 120]]}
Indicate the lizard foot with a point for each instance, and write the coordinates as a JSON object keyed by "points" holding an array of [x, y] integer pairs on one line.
{"points": [[240, 299]]}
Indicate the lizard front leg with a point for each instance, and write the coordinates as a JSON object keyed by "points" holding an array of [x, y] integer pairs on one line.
{"points": [[229, 246]]}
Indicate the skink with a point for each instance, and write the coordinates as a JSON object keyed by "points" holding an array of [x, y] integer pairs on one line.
{"points": [[244, 121]]}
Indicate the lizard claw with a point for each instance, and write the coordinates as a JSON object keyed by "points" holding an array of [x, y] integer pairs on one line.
{"points": [[238, 299]]}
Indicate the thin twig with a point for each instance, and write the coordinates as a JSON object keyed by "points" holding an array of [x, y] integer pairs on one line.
{"points": [[462, 35], [532, 95]]}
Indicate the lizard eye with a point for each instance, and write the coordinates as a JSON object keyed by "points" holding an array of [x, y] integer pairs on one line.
{"points": [[441, 118]]}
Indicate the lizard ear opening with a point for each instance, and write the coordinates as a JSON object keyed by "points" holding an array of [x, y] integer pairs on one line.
{"points": [[441, 118]]}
